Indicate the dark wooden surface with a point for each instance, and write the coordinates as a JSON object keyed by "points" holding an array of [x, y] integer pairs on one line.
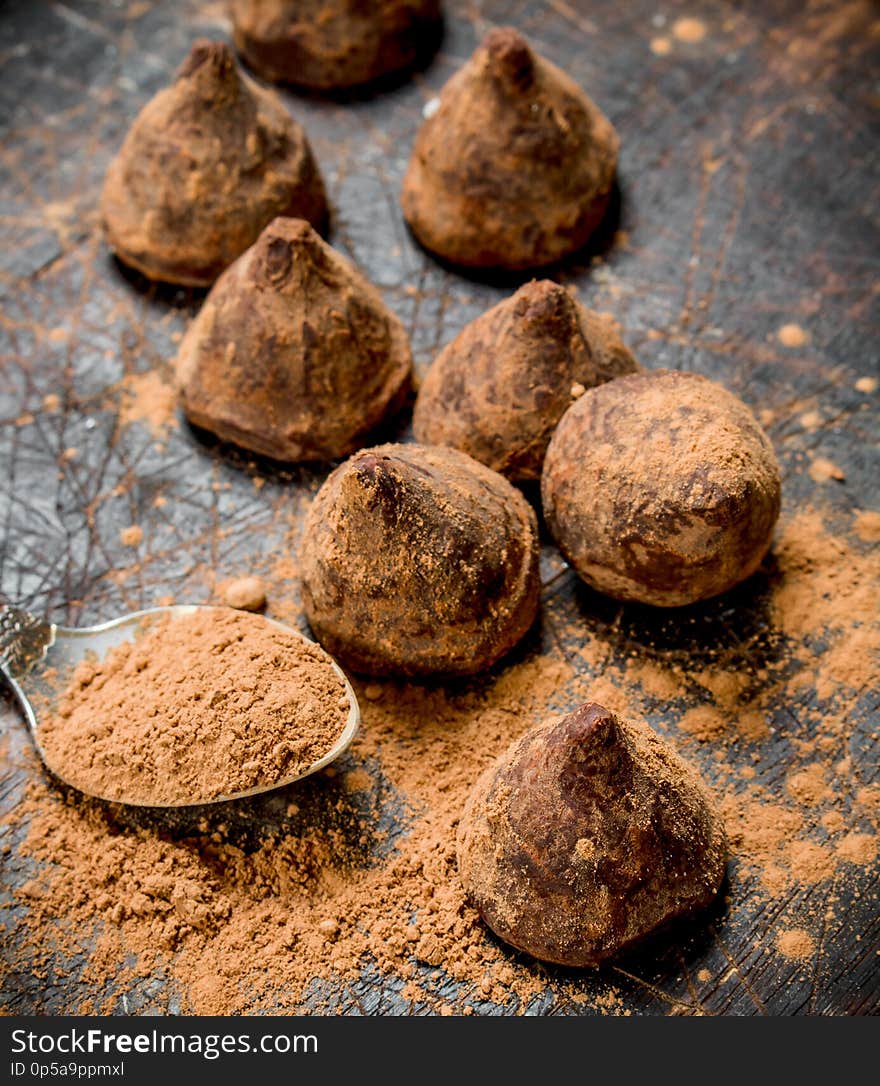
{"points": [[748, 199]]}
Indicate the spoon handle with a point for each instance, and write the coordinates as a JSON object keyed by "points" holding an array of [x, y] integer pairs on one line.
{"points": [[23, 641]]}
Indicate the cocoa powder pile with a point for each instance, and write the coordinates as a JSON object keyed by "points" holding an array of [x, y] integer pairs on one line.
{"points": [[199, 706]]}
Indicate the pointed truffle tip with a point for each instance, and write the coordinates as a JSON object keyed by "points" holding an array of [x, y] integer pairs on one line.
{"points": [[588, 742], [542, 300], [211, 59], [376, 478], [296, 231], [510, 57], [367, 466], [284, 243], [591, 724]]}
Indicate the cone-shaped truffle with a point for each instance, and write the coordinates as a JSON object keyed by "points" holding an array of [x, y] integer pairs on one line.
{"points": [[333, 44], [294, 354], [419, 561], [500, 387], [661, 488], [206, 165], [516, 166], [585, 836]]}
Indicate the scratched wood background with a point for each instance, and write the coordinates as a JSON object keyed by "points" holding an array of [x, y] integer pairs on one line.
{"points": [[748, 200]]}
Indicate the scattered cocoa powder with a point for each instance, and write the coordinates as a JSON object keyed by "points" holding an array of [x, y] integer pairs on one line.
{"points": [[199, 706], [132, 536], [147, 398], [227, 909], [858, 848], [727, 687], [689, 30], [703, 722], [867, 525], [809, 862], [819, 585], [796, 944], [822, 469], [810, 420], [809, 785], [655, 681]]}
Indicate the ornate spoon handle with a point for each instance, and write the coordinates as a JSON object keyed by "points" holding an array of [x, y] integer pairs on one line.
{"points": [[23, 641]]}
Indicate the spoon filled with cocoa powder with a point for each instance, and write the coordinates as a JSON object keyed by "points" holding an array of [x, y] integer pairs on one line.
{"points": [[177, 706]]}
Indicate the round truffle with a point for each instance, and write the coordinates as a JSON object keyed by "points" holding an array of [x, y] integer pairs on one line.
{"points": [[419, 561], [206, 165], [515, 167], [294, 354], [333, 44], [587, 835], [500, 387], [661, 488]]}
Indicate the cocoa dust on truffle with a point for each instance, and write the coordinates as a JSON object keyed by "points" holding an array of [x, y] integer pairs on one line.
{"points": [[500, 387], [330, 45], [661, 488], [419, 561], [294, 354], [515, 167], [205, 166], [588, 834]]}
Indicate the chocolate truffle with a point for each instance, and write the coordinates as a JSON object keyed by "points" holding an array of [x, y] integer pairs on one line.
{"points": [[515, 167], [500, 387], [661, 488], [419, 561], [294, 354], [206, 165], [587, 835], [333, 44]]}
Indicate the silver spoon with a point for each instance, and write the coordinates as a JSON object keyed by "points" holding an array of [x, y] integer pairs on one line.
{"points": [[30, 647]]}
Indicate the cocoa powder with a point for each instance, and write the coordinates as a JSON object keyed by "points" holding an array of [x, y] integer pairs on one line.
{"points": [[287, 902], [200, 706], [796, 944]]}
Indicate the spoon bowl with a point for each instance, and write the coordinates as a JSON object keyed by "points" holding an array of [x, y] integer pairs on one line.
{"points": [[37, 658]]}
